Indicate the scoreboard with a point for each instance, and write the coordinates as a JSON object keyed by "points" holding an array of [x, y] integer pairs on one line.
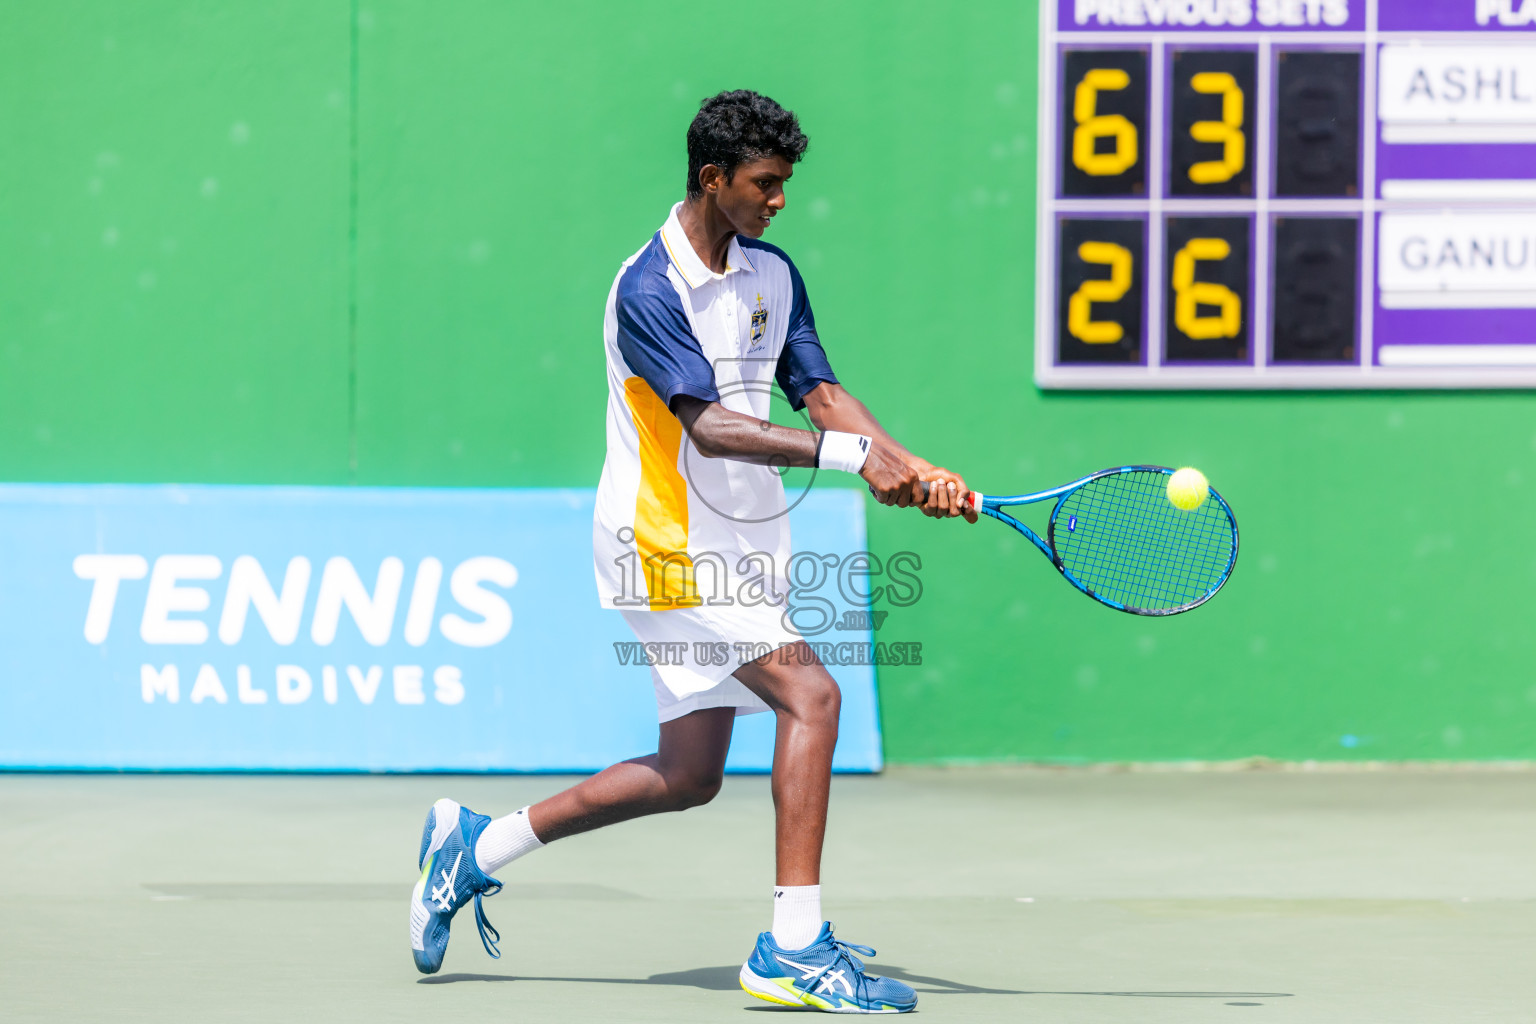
{"points": [[1286, 194]]}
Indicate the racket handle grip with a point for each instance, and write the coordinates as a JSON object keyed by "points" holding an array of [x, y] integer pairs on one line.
{"points": [[974, 499]]}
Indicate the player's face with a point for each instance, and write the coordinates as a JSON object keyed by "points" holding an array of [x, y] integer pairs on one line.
{"points": [[754, 194]]}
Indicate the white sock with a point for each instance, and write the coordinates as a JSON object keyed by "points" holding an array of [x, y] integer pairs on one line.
{"points": [[504, 840], [796, 915]]}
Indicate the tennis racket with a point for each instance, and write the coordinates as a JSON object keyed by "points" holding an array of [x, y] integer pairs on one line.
{"points": [[1115, 536]]}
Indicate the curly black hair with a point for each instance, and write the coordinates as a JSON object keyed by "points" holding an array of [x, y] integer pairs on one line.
{"points": [[737, 126]]}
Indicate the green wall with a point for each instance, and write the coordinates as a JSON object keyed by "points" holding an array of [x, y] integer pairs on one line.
{"points": [[302, 242]]}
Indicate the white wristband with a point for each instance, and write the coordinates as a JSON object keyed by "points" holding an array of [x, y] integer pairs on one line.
{"points": [[837, 449]]}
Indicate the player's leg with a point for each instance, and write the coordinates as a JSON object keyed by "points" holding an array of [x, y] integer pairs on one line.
{"points": [[685, 771], [799, 963], [806, 703], [462, 850]]}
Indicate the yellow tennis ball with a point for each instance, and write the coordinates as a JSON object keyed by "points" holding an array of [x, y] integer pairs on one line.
{"points": [[1187, 489]]}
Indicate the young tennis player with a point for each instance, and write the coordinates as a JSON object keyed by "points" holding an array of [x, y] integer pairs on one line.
{"points": [[700, 324]]}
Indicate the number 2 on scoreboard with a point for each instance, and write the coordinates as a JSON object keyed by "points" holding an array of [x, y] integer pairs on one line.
{"points": [[1080, 321], [1099, 289]]}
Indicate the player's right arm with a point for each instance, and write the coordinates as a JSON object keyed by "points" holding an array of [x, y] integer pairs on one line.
{"points": [[719, 433]]}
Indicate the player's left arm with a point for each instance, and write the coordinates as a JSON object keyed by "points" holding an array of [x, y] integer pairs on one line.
{"points": [[832, 407]]}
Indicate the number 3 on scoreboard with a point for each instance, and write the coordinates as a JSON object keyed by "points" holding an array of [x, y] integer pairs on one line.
{"points": [[1210, 149], [1228, 131]]}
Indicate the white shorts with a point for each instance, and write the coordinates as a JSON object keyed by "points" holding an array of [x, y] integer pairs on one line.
{"points": [[707, 645]]}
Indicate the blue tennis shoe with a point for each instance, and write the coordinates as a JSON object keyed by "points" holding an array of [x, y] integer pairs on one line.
{"points": [[825, 975], [450, 878]]}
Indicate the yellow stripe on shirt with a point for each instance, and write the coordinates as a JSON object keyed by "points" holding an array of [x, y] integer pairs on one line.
{"points": [[661, 503]]}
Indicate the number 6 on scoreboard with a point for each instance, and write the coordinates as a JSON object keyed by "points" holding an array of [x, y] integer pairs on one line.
{"points": [[1190, 294], [1103, 116], [1093, 126], [1209, 285]]}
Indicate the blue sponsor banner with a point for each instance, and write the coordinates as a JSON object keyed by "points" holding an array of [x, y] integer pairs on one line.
{"points": [[368, 629]]}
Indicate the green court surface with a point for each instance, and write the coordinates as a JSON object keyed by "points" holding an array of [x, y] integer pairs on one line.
{"points": [[1002, 894]]}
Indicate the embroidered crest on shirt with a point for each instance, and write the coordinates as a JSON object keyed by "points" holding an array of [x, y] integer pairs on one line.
{"points": [[759, 320]]}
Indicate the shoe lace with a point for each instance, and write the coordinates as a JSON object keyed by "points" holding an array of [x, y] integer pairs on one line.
{"points": [[847, 949], [484, 924]]}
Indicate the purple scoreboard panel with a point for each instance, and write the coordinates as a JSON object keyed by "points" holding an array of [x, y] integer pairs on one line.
{"points": [[1287, 194]]}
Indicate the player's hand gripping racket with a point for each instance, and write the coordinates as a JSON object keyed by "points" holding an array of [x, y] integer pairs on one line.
{"points": [[1119, 538]]}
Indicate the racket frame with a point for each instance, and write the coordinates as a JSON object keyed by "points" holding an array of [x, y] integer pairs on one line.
{"points": [[993, 505]]}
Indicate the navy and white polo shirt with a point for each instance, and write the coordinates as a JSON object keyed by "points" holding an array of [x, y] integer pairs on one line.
{"points": [[673, 327]]}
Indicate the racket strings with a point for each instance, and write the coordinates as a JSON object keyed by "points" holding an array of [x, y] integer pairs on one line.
{"points": [[1144, 553], [1122, 538], [1166, 569]]}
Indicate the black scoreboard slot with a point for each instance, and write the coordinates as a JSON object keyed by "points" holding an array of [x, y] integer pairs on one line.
{"points": [[1315, 281], [1208, 289], [1317, 124], [1104, 123], [1099, 291], [1211, 116]]}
